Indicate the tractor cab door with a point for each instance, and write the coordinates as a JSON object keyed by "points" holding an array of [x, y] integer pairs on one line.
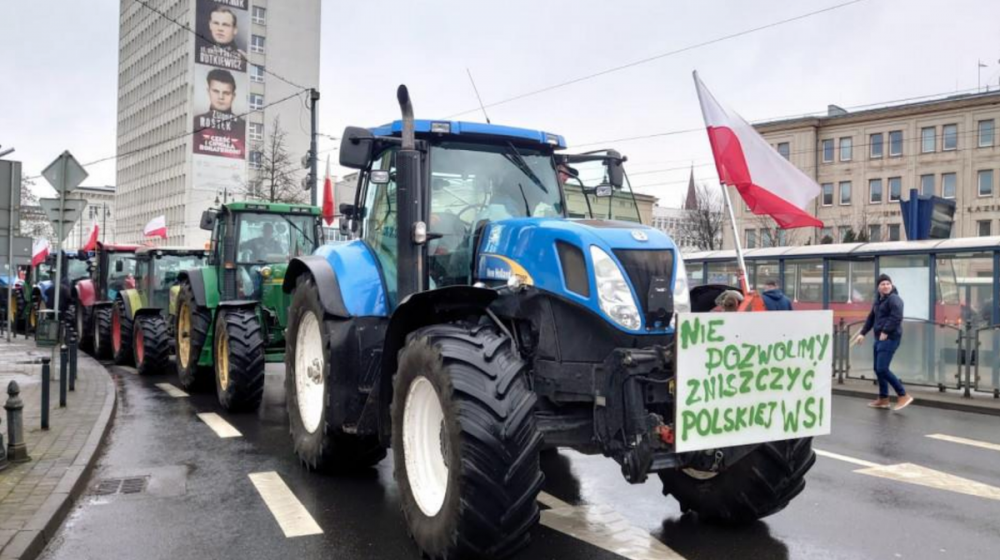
{"points": [[378, 212], [143, 278]]}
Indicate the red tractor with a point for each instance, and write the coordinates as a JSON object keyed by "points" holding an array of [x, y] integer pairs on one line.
{"points": [[111, 270]]}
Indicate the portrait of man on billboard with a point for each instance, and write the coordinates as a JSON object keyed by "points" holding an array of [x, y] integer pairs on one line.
{"points": [[221, 41], [219, 131]]}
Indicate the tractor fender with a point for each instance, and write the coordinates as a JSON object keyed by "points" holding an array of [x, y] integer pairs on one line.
{"points": [[238, 304], [204, 284], [326, 280], [132, 302], [146, 311], [85, 292]]}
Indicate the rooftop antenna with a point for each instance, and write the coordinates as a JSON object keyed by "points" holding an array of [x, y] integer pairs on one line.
{"points": [[474, 88]]}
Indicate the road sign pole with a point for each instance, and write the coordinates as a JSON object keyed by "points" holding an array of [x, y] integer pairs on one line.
{"points": [[60, 231]]}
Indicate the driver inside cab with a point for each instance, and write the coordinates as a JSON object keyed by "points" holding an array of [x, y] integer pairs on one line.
{"points": [[261, 247]]}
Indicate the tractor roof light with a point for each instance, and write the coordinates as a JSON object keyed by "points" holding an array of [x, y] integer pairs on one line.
{"points": [[441, 127]]}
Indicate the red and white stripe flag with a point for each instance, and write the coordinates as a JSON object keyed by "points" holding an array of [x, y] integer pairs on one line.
{"points": [[39, 251], [91, 243], [768, 182], [157, 227], [328, 212]]}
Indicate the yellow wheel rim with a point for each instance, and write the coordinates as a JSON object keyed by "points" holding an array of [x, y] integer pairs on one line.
{"points": [[31, 318], [184, 335], [222, 360]]}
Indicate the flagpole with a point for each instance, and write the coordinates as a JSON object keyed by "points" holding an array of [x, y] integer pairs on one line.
{"points": [[744, 283]]}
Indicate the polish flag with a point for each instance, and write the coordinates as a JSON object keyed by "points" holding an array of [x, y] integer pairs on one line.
{"points": [[328, 213], [39, 251], [768, 182], [157, 227], [91, 243]]}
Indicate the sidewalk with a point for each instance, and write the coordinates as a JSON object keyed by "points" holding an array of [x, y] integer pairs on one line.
{"points": [[951, 399], [36, 496]]}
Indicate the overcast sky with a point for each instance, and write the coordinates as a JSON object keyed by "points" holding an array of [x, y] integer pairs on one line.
{"points": [[58, 68]]}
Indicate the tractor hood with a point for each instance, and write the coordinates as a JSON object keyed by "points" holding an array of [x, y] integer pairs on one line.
{"points": [[629, 273]]}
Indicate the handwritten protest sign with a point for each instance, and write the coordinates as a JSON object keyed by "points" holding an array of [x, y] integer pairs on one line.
{"points": [[752, 377]]}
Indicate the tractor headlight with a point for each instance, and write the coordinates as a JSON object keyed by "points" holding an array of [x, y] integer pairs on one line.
{"points": [[613, 291], [682, 297]]}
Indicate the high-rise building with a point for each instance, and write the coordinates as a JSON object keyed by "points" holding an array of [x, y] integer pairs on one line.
{"points": [[197, 109]]}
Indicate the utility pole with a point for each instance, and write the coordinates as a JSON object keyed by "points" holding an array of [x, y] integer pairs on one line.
{"points": [[313, 156]]}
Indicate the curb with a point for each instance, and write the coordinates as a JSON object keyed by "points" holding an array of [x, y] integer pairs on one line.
{"points": [[41, 528], [929, 403]]}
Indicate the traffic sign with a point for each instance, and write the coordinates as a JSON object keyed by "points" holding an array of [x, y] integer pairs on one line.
{"points": [[71, 211], [65, 173]]}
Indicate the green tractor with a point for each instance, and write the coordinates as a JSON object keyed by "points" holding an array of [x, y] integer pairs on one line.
{"points": [[231, 314], [141, 332]]}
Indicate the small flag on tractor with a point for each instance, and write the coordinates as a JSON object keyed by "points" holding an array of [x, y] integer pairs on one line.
{"points": [[39, 251], [328, 212], [157, 227], [91, 243]]}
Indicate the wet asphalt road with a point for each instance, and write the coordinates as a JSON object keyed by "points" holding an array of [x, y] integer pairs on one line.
{"points": [[200, 503]]}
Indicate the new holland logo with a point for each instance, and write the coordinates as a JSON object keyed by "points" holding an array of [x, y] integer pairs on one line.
{"points": [[639, 235]]}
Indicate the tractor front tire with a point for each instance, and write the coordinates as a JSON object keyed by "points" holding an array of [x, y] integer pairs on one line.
{"points": [[190, 333], [121, 334], [760, 484], [102, 333], [464, 443], [239, 359], [311, 367], [152, 347]]}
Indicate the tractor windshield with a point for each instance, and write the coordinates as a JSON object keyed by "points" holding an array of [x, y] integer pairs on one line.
{"points": [[266, 238], [121, 273], [165, 269], [76, 269]]}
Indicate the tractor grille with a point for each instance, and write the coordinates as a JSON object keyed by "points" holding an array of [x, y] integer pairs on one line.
{"points": [[642, 266]]}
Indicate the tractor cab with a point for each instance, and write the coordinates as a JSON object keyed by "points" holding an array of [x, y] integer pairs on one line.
{"points": [[157, 270], [111, 271]]}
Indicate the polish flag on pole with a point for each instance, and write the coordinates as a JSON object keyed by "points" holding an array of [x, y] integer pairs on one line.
{"points": [[157, 227], [39, 251], [768, 182], [328, 212], [91, 243]]}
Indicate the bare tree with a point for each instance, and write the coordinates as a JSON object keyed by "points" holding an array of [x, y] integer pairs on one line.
{"points": [[274, 180], [34, 223], [706, 219]]}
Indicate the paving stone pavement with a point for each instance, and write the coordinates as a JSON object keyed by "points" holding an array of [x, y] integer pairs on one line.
{"points": [[35, 496]]}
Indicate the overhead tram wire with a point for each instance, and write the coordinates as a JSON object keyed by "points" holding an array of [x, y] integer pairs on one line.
{"points": [[656, 57]]}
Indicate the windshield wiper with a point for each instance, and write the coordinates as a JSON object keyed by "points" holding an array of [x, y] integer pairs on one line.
{"points": [[298, 229], [517, 159]]}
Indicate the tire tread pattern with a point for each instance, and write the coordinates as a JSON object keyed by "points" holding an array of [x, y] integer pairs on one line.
{"points": [[201, 320], [246, 360], [156, 345]]}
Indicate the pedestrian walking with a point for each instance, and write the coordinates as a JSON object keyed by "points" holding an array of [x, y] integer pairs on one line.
{"points": [[774, 298], [886, 320]]}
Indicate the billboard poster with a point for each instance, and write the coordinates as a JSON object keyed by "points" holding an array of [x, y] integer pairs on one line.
{"points": [[223, 28], [218, 175], [220, 101]]}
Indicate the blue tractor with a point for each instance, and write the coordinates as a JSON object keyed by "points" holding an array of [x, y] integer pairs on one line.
{"points": [[487, 308]]}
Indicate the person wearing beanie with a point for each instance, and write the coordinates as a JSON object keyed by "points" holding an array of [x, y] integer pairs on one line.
{"points": [[886, 320]]}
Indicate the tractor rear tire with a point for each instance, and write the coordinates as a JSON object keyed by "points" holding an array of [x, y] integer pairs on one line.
{"points": [[190, 333], [152, 347], [310, 376], [121, 334], [464, 442], [760, 484], [102, 332], [77, 317], [239, 359]]}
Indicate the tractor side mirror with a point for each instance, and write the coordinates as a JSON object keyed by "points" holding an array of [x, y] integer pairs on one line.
{"points": [[616, 169], [208, 219], [356, 147], [347, 210], [119, 266]]}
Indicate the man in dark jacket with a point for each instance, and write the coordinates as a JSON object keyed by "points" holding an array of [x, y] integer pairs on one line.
{"points": [[774, 298], [886, 319]]}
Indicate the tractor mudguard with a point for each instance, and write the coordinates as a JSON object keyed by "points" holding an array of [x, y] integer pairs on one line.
{"points": [[326, 280], [238, 303], [86, 294], [145, 311], [133, 302], [349, 279], [205, 285]]}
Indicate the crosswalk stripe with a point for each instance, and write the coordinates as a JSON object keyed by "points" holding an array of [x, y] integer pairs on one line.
{"points": [[287, 510], [605, 528], [172, 390], [966, 441], [219, 425], [845, 458]]}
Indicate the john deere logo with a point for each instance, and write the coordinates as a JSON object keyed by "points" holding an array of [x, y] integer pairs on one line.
{"points": [[639, 235]]}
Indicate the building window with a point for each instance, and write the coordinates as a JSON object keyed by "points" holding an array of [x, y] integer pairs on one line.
{"points": [[895, 188], [845, 193], [784, 148], [949, 137], [257, 44], [927, 185], [843, 232], [895, 143], [259, 15], [826, 233], [875, 233], [846, 149], [986, 133], [256, 73], [984, 227], [782, 238], [827, 194], [255, 158], [875, 143], [257, 132], [751, 238], [875, 191], [986, 182], [949, 184], [928, 140], [256, 101], [828, 151], [893, 232], [766, 238]]}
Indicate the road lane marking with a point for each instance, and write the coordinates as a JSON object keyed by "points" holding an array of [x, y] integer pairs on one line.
{"points": [[966, 441], [920, 476], [605, 528], [172, 390], [221, 428], [287, 510]]}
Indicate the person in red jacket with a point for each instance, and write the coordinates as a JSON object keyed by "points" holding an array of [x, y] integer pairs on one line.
{"points": [[886, 319]]}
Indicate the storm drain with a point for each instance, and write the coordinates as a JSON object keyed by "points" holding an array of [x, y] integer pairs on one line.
{"points": [[109, 486]]}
